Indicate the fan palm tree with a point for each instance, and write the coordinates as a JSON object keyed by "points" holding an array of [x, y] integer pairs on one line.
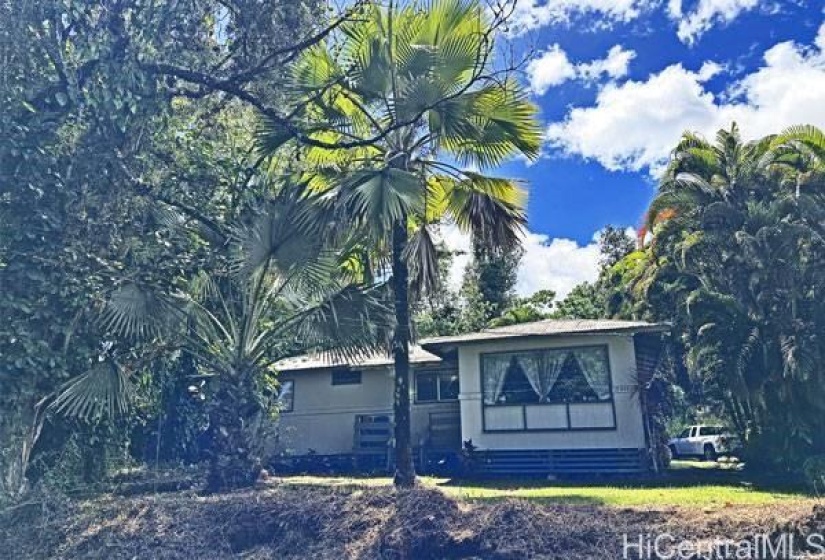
{"points": [[286, 291], [397, 109]]}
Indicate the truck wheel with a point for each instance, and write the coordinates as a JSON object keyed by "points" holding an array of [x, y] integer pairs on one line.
{"points": [[709, 452], [673, 453]]}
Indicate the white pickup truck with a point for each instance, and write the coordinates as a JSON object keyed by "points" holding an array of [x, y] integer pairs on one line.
{"points": [[707, 442]]}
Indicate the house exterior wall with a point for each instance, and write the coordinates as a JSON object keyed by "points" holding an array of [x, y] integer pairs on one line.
{"points": [[629, 428], [322, 419]]}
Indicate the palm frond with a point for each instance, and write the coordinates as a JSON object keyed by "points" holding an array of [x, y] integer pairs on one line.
{"points": [[422, 256], [105, 391], [347, 323], [366, 54], [491, 208], [283, 236], [136, 312], [805, 137], [486, 126], [383, 197]]}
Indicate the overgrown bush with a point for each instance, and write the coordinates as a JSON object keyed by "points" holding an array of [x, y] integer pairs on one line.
{"points": [[70, 456]]}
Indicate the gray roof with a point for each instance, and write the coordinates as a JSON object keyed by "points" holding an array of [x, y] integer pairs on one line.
{"points": [[377, 359], [419, 353], [547, 327]]}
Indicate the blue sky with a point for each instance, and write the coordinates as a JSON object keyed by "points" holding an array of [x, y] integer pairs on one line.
{"points": [[619, 80]]}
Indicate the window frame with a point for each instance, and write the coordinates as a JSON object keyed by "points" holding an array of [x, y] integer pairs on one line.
{"points": [[524, 428], [291, 400], [348, 371], [438, 373]]}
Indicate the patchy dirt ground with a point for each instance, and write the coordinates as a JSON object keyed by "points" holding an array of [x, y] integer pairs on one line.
{"points": [[283, 522]]}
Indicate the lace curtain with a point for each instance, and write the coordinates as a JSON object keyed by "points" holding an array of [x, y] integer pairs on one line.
{"points": [[595, 366], [542, 370], [495, 372]]}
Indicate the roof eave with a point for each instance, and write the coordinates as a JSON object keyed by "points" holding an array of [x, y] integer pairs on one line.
{"points": [[439, 345]]}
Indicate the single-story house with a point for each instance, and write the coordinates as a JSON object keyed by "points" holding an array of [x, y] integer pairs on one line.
{"points": [[547, 397]]}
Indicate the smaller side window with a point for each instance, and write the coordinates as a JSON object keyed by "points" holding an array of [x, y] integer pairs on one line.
{"points": [[286, 395], [346, 376]]}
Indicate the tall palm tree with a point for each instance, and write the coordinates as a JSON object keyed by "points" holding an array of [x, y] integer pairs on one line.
{"points": [[286, 291], [739, 250], [399, 108]]}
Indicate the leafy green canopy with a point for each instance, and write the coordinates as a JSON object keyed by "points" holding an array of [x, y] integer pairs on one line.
{"points": [[737, 261], [398, 107], [110, 130]]}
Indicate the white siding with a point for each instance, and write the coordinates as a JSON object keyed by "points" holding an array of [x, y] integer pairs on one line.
{"points": [[323, 415], [629, 432]]}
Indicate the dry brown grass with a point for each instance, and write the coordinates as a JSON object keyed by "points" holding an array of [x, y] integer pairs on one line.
{"points": [[288, 521]]}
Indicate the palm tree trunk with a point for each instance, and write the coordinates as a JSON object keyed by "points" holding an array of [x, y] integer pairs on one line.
{"points": [[231, 462], [404, 469]]}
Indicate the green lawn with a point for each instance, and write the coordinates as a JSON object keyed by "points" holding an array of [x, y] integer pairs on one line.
{"points": [[697, 495], [700, 485]]}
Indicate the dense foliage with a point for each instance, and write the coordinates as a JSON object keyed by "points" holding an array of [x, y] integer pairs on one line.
{"points": [[128, 172], [115, 120], [737, 262]]}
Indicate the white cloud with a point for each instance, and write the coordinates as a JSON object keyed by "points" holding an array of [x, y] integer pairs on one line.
{"points": [[674, 8], [706, 14], [534, 14], [459, 243], [691, 23], [557, 264], [614, 65], [634, 125], [553, 68], [550, 69]]}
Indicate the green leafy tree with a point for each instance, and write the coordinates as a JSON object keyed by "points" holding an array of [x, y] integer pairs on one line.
{"points": [[737, 260], [489, 284], [388, 106], [525, 310], [585, 301], [614, 245], [111, 114]]}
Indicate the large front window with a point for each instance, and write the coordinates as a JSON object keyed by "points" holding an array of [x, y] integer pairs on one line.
{"points": [[553, 389]]}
